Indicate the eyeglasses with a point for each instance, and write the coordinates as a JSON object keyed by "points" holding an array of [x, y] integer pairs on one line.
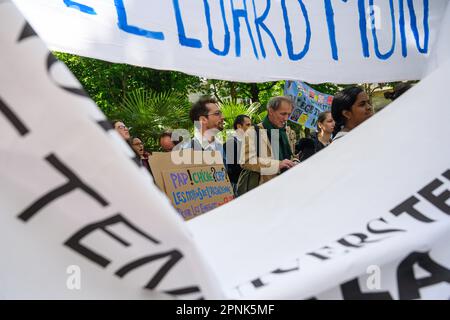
{"points": [[122, 127], [217, 113]]}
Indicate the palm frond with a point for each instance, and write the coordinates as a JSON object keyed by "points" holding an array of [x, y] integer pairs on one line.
{"points": [[148, 113], [231, 109]]}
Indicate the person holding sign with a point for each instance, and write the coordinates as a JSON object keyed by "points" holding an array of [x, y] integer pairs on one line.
{"points": [[268, 146], [349, 109]]}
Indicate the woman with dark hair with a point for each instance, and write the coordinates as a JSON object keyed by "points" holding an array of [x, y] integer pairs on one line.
{"points": [[349, 109], [306, 147]]}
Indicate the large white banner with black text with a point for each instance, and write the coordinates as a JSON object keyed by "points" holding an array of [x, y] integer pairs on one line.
{"points": [[78, 217], [250, 40], [368, 217]]}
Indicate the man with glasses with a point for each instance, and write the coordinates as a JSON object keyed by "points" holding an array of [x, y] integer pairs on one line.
{"points": [[208, 122]]}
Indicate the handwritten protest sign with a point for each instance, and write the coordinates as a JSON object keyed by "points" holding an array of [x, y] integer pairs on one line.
{"points": [[196, 185], [197, 190], [308, 103]]}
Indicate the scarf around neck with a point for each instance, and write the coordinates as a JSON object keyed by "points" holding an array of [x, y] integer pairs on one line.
{"points": [[284, 151]]}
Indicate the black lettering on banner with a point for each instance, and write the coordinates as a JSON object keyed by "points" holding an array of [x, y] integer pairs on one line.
{"points": [[382, 231], [352, 291], [174, 257], [105, 125], [257, 283], [74, 242], [407, 206], [27, 32], [281, 271], [409, 285], [329, 251], [13, 118], [427, 193], [51, 60], [73, 184], [437, 201], [345, 241], [184, 291], [446, 174]]}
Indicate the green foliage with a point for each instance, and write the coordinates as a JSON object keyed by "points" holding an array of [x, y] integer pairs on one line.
{"points": [[327, 88], [148, 113], [247, 92], [231, 110], [265, 95], [108, 83], [259, 117]]}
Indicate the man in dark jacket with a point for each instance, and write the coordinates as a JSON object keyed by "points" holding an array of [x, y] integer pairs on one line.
{"points": [[233, 148]]}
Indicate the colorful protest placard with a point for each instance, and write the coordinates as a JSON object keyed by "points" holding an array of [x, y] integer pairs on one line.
{"points": [[197, 190], [308, 103], [194, 181]]}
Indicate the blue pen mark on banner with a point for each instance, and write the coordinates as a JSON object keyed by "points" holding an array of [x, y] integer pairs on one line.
{"points": [[79, 6]]}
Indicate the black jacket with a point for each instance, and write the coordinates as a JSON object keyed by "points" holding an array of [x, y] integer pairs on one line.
{"points": [[232, 150], [308, 146]]}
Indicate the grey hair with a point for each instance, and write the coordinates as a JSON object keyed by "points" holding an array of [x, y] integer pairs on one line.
{"points": [[275, 102]]}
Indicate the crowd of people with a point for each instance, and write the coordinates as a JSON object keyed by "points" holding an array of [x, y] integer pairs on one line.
{"points": [[257, 153]]}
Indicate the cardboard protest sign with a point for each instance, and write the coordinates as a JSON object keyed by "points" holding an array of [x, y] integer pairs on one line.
{"points": [[308, 103], [197, 190], [195, 181]]}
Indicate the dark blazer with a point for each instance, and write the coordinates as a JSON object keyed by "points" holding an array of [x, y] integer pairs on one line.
{"points": [[232, 151]]}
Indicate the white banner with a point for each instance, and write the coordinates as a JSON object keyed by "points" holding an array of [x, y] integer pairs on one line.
{"points": [[250, 40], [79, 219], [367, 217]]}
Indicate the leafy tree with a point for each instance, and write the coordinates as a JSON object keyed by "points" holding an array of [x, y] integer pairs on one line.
{"points": [[245, 92], [327, 88], [231, 110], [149, 113], [108, 83]]}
